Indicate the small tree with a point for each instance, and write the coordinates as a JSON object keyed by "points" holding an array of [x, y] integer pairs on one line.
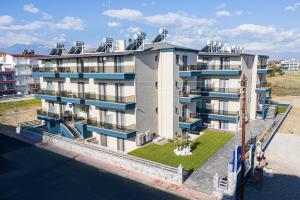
{"points": [[182, 142]]}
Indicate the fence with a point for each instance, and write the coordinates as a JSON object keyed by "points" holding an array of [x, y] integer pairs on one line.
{"points": [[275, 128], [148, 168]]}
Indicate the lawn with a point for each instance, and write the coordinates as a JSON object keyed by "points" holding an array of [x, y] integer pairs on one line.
{"points": [[288, 84], [19, 104], [205, 146], [281, 109]]}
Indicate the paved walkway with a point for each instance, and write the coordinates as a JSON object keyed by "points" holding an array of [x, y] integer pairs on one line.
{"points": [[283, 158], [202, 178]]}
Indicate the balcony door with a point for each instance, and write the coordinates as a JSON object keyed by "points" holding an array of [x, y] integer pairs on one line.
{"points": [[120, 119], [223, 107], [224, 63], [119, 62], [101, 64], [207, 63], [184, 60], [60, 86], [80, 65], [185, 87], [119, 91], [81, 89], [224, 85], [102, 91], [184, 112], [102, 116]]}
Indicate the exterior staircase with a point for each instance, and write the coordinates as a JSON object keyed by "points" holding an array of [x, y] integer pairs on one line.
{"points": [[72, 129]]}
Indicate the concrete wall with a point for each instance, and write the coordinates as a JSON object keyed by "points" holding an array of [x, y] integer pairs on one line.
{"points": [[146, 92], [119, 159]]}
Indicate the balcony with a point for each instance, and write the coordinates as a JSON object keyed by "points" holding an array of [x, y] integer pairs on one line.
{"points": [[190, 123], [71, 97], [91, 99], [107, 72], [209, 70], [263, 88], [219, 114], [49, 116], [106, 101], [119, 131], [46, 94], [263, 69], [196, 94]]}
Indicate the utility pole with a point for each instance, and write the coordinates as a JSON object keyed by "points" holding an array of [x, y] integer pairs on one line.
{"points": [[244, 100]]}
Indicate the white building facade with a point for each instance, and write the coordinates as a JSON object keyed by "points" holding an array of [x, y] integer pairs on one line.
{"points": [[290, 65], [122, 99]]}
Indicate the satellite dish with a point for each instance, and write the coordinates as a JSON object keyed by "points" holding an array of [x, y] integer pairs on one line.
{"points": [[208, 42], [139, 33], [233, 47], [135, 36], [104, 40], [219, 44], [215, 43]]}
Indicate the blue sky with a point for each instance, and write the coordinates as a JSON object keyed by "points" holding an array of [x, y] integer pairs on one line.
{"points": [[266, 26]]}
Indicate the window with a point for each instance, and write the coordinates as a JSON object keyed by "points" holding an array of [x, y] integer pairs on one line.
{"points": [[177, 59], [156, 58], [156, 84], [176, 84], [184, 60], [103, 140], [156, 110], [121, 145], [176, 110]]}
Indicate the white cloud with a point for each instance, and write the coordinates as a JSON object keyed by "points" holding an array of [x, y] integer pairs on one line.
{"points": [[5, 19], [32, 9], [223, 13], [29, 26], [254, 29], [113, 24], [11, 38], [69, 23], [132, 29], [181, 20], [175, 19], [123, 13], [293, 7]]}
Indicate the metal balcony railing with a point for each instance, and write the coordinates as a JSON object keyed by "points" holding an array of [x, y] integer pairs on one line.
{"points": [[202, 66], [263, 85], [64, 116], [48, 114], [264, 66], [190, 119], [86, 69], [214, 89], [218, 112], [110, 126], [115, 99], [45, 92]]}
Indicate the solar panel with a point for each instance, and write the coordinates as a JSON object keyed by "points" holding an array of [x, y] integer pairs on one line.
{"points": [[161, 35], [106, 45], [137, 41]]}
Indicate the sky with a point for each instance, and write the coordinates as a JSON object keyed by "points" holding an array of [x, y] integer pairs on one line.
{"points": [[265, 26]]}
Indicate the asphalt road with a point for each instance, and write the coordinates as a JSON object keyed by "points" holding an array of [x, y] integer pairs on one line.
{"points": [[28, 172]]}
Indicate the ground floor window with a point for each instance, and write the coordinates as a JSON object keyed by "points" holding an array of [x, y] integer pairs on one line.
{"points": [[103, 140], [121, 144]]}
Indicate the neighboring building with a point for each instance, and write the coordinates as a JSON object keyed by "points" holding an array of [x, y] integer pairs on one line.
{"points": [[290, 65], [24, 63], [120, 99], [16, 73], [7, 75]]}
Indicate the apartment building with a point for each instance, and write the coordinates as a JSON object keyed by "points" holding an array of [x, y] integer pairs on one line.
{"points": [[123, 98], [16, 72], [23, 64], [290, 65], [7, 75]]}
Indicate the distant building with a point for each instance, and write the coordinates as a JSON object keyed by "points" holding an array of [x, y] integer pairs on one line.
{"points": [[16, 72], [290, 65], [7, 75]]}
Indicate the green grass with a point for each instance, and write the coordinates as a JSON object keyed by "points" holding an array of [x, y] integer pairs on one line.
{"points": [[19, 104], [281, 109], [205, 146]]}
